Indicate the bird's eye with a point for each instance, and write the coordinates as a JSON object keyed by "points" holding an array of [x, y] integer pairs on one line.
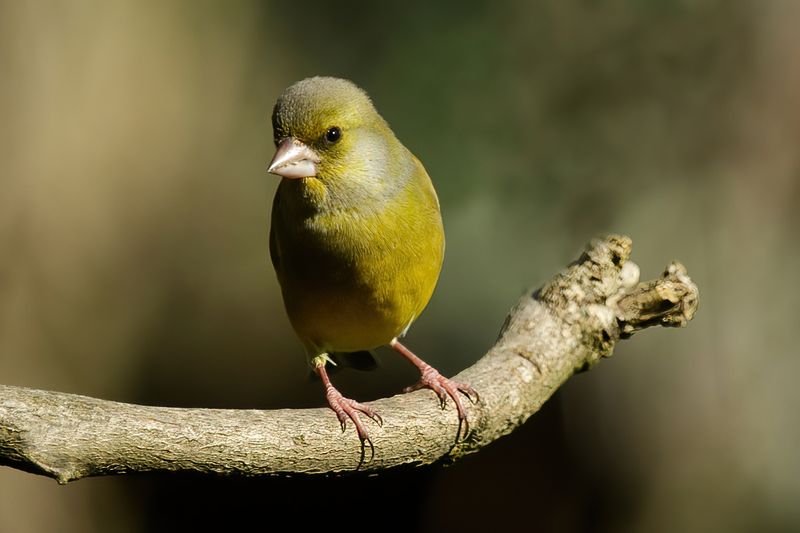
{"points": [[333, 134]]}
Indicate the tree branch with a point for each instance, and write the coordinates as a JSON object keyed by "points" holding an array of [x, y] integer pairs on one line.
{"points": [[567, 326]]}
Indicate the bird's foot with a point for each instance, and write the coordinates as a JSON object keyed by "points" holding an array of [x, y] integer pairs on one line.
{"points": [[345, 409], [430, 378]]}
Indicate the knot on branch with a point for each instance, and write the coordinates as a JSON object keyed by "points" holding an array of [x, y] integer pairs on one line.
{"points": [[578, 295], [669, 301], [600, 296]]}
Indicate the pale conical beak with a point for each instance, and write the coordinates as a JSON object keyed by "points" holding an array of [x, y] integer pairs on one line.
{"points": [[294, 159]]}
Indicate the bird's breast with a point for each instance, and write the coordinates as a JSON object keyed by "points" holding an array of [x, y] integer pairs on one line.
{"points": [[353, 279]]}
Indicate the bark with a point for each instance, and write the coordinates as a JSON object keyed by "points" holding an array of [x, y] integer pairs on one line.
{"points": [[567, 326]]}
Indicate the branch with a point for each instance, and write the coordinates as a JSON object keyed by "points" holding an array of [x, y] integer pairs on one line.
{"points": [[567, 326]]}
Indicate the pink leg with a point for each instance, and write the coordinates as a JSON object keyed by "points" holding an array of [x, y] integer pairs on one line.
{"points": [[346, 408], [430, 378]]}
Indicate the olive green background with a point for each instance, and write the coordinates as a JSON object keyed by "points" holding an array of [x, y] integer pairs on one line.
{"points": [[134, 211]]}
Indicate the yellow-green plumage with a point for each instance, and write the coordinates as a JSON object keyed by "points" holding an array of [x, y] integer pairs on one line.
{"points": [[356, 237], [358, 247]]}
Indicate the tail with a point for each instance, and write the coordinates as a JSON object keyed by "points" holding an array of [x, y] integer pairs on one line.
{"points": [[363, 360]]}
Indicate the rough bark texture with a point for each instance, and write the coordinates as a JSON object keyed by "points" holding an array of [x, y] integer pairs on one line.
{"points": [[566, 326]]}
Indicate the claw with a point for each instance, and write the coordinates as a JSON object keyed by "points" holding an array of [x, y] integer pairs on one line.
{"points": [[469, 392], [364, 450], [462, 422]]}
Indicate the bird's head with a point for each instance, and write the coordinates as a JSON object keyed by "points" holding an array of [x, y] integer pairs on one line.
{"points": [[320, 125], [327, 131]]}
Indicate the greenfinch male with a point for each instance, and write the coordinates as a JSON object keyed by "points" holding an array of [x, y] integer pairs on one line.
{"points": [[356, 239]]}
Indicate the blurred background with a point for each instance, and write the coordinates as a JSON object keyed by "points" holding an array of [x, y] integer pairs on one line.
{"points": [[134, 214]]}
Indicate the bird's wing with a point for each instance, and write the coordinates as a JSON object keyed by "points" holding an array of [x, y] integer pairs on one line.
{"points": [[274, 247]]}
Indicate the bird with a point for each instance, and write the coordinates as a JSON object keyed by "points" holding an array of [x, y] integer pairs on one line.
{"points": [[356, 237]]}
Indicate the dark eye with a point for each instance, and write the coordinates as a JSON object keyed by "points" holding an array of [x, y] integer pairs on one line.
{"points": [[333, 134]]}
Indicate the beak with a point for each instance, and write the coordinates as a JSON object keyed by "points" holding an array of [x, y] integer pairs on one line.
{"points": [[294, 159]]}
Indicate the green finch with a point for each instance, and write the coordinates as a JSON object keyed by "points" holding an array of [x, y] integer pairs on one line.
{"points": [[356, 239]]}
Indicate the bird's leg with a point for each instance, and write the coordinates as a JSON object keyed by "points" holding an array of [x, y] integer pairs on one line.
{"points": [[430, 378], [346, 408]]}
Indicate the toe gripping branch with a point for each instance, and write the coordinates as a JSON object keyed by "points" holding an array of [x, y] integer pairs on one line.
{"points": [[430, 378], [346, 408]]}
